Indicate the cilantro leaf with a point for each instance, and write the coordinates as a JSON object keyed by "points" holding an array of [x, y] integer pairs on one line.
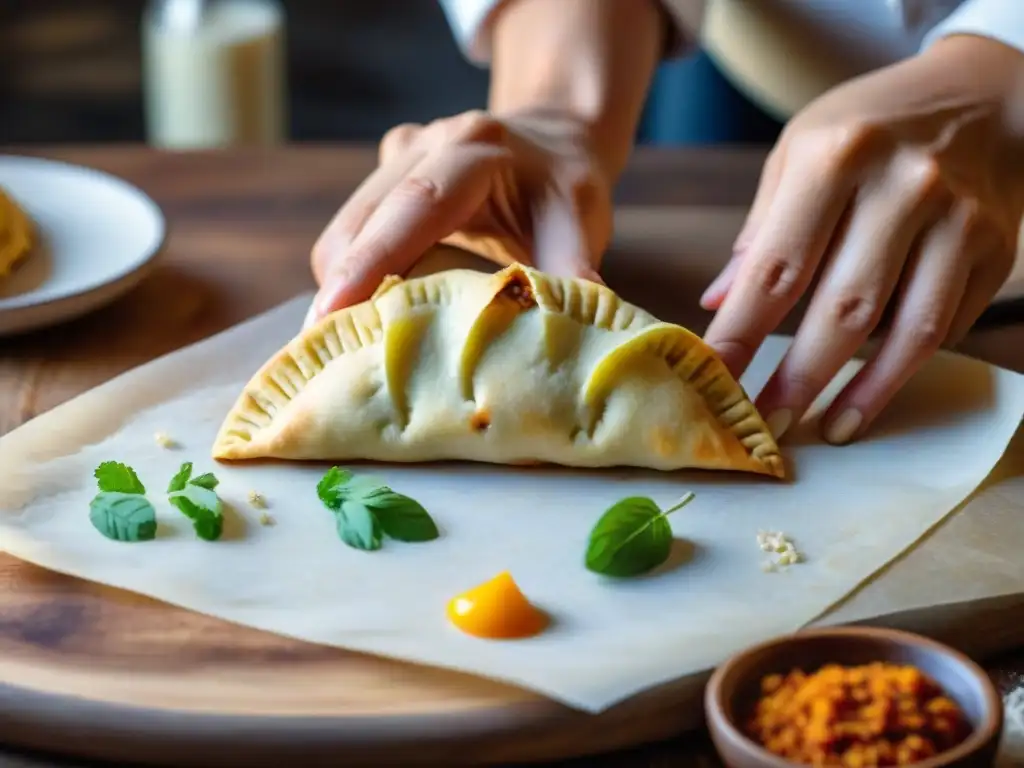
{"points": [[123, 516], [115, 477], [179, 480], [203, 507], [358, 526], [331, 488], [401, 518]]}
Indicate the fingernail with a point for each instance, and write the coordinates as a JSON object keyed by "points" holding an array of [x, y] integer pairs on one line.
{"points": [[311, 316], [844, 427], [779, 421], [326, 297]]}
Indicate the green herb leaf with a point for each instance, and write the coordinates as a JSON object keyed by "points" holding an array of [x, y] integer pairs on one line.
{"points": [[401, 518], [123, 516], [331, 487], [208, 481], [368, 510], [631, 538], [358, 526], [115, 477], [203, 507], [179, 481]]}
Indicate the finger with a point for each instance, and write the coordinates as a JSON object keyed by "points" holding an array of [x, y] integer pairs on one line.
{"points": [[572, 228], [438, 196], [402, 148], [767, 186], [715, 293], [782, 257], [935, 283], [397, 141], [855, 287], [993, 257], [342, 229]]}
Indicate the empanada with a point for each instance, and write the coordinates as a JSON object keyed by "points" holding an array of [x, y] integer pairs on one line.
{"points": [[16, 234], [514, 367]]}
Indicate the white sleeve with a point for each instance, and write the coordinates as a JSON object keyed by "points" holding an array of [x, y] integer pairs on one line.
{"points": [[470, 22], [1001, 20]]}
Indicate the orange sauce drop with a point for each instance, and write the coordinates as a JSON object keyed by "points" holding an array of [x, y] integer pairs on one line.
{"points": [[496, 610]]}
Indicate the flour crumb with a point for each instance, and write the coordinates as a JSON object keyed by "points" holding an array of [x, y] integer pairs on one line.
{"points": [[164, 440], [781, 550], [266, 519], [257, 500]]}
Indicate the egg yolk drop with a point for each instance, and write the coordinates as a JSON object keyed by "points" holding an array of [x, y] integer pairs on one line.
{"points": [[496, 610]]}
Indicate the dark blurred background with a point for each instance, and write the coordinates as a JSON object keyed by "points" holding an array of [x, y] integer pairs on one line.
{"points": [[70, 69], [70, 73]]}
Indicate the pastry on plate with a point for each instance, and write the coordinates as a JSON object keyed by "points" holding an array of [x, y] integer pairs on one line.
{"points": [[16, 235], [514, 367]]}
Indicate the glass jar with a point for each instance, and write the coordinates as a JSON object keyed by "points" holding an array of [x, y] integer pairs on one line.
{"points": [[214, 73]]}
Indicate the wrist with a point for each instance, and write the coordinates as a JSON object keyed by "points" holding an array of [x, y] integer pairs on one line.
{"points": [[585, 65], [975, 68]]}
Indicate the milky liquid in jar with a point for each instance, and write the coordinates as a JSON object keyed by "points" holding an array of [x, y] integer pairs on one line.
{"points": [[215, 78]]}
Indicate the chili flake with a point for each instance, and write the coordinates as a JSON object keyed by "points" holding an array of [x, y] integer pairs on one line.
{"points": [[856, 717]]}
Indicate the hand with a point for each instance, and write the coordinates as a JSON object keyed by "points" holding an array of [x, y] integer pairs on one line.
{"points": [[526, 182], [903, 185]]}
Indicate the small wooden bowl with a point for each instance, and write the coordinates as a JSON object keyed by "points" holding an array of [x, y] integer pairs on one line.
{"points": [[735, 685]]}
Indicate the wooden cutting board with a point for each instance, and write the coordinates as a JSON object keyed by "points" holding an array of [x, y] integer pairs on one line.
{"points": [[96, 672]]}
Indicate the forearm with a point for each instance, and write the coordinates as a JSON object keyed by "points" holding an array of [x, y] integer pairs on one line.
{"points": [[591, 60]]}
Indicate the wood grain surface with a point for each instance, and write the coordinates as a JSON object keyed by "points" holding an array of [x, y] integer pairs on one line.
{"points": [[241, 226]]}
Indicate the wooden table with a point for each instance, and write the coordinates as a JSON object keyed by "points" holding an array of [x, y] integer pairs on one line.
{"points": [[241, 224]]}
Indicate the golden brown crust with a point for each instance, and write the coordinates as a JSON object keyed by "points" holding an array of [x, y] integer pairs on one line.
{"points": [[17, 234], [515, 290]]}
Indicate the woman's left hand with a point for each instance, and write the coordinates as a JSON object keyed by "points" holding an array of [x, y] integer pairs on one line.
{"points": [[906, 184]]}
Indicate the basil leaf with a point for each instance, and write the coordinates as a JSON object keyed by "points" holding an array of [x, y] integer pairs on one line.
{"points": [[208, 481], [358, 526], [123, 516], [331, 487], [179, 480], [400, 517], [631, 538], [115, 477], [203, 507]]}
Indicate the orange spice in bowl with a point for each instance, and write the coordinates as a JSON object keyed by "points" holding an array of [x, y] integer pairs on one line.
{"points": [[858, 689], [878, 714]]}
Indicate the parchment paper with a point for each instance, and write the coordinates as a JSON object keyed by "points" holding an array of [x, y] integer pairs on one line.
{"points": [[850, 509]]}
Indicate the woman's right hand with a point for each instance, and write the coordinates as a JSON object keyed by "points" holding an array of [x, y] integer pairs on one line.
{"points": [[528, 182]]}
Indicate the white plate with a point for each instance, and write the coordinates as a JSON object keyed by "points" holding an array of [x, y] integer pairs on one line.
{"points": [[97, 238]]}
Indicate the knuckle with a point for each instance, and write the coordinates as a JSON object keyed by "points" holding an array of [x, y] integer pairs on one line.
{"points": [[925, 178], [396, 140], [778, 276], [855, 313], [924, 333], [418, 190], [837, 148], [975, 224], [478, 125], [802, 386]]}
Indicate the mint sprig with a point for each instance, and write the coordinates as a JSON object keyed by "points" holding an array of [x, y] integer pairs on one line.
{"points": [[366, 511], [632, 537], [121, 511], [196, 499]]}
